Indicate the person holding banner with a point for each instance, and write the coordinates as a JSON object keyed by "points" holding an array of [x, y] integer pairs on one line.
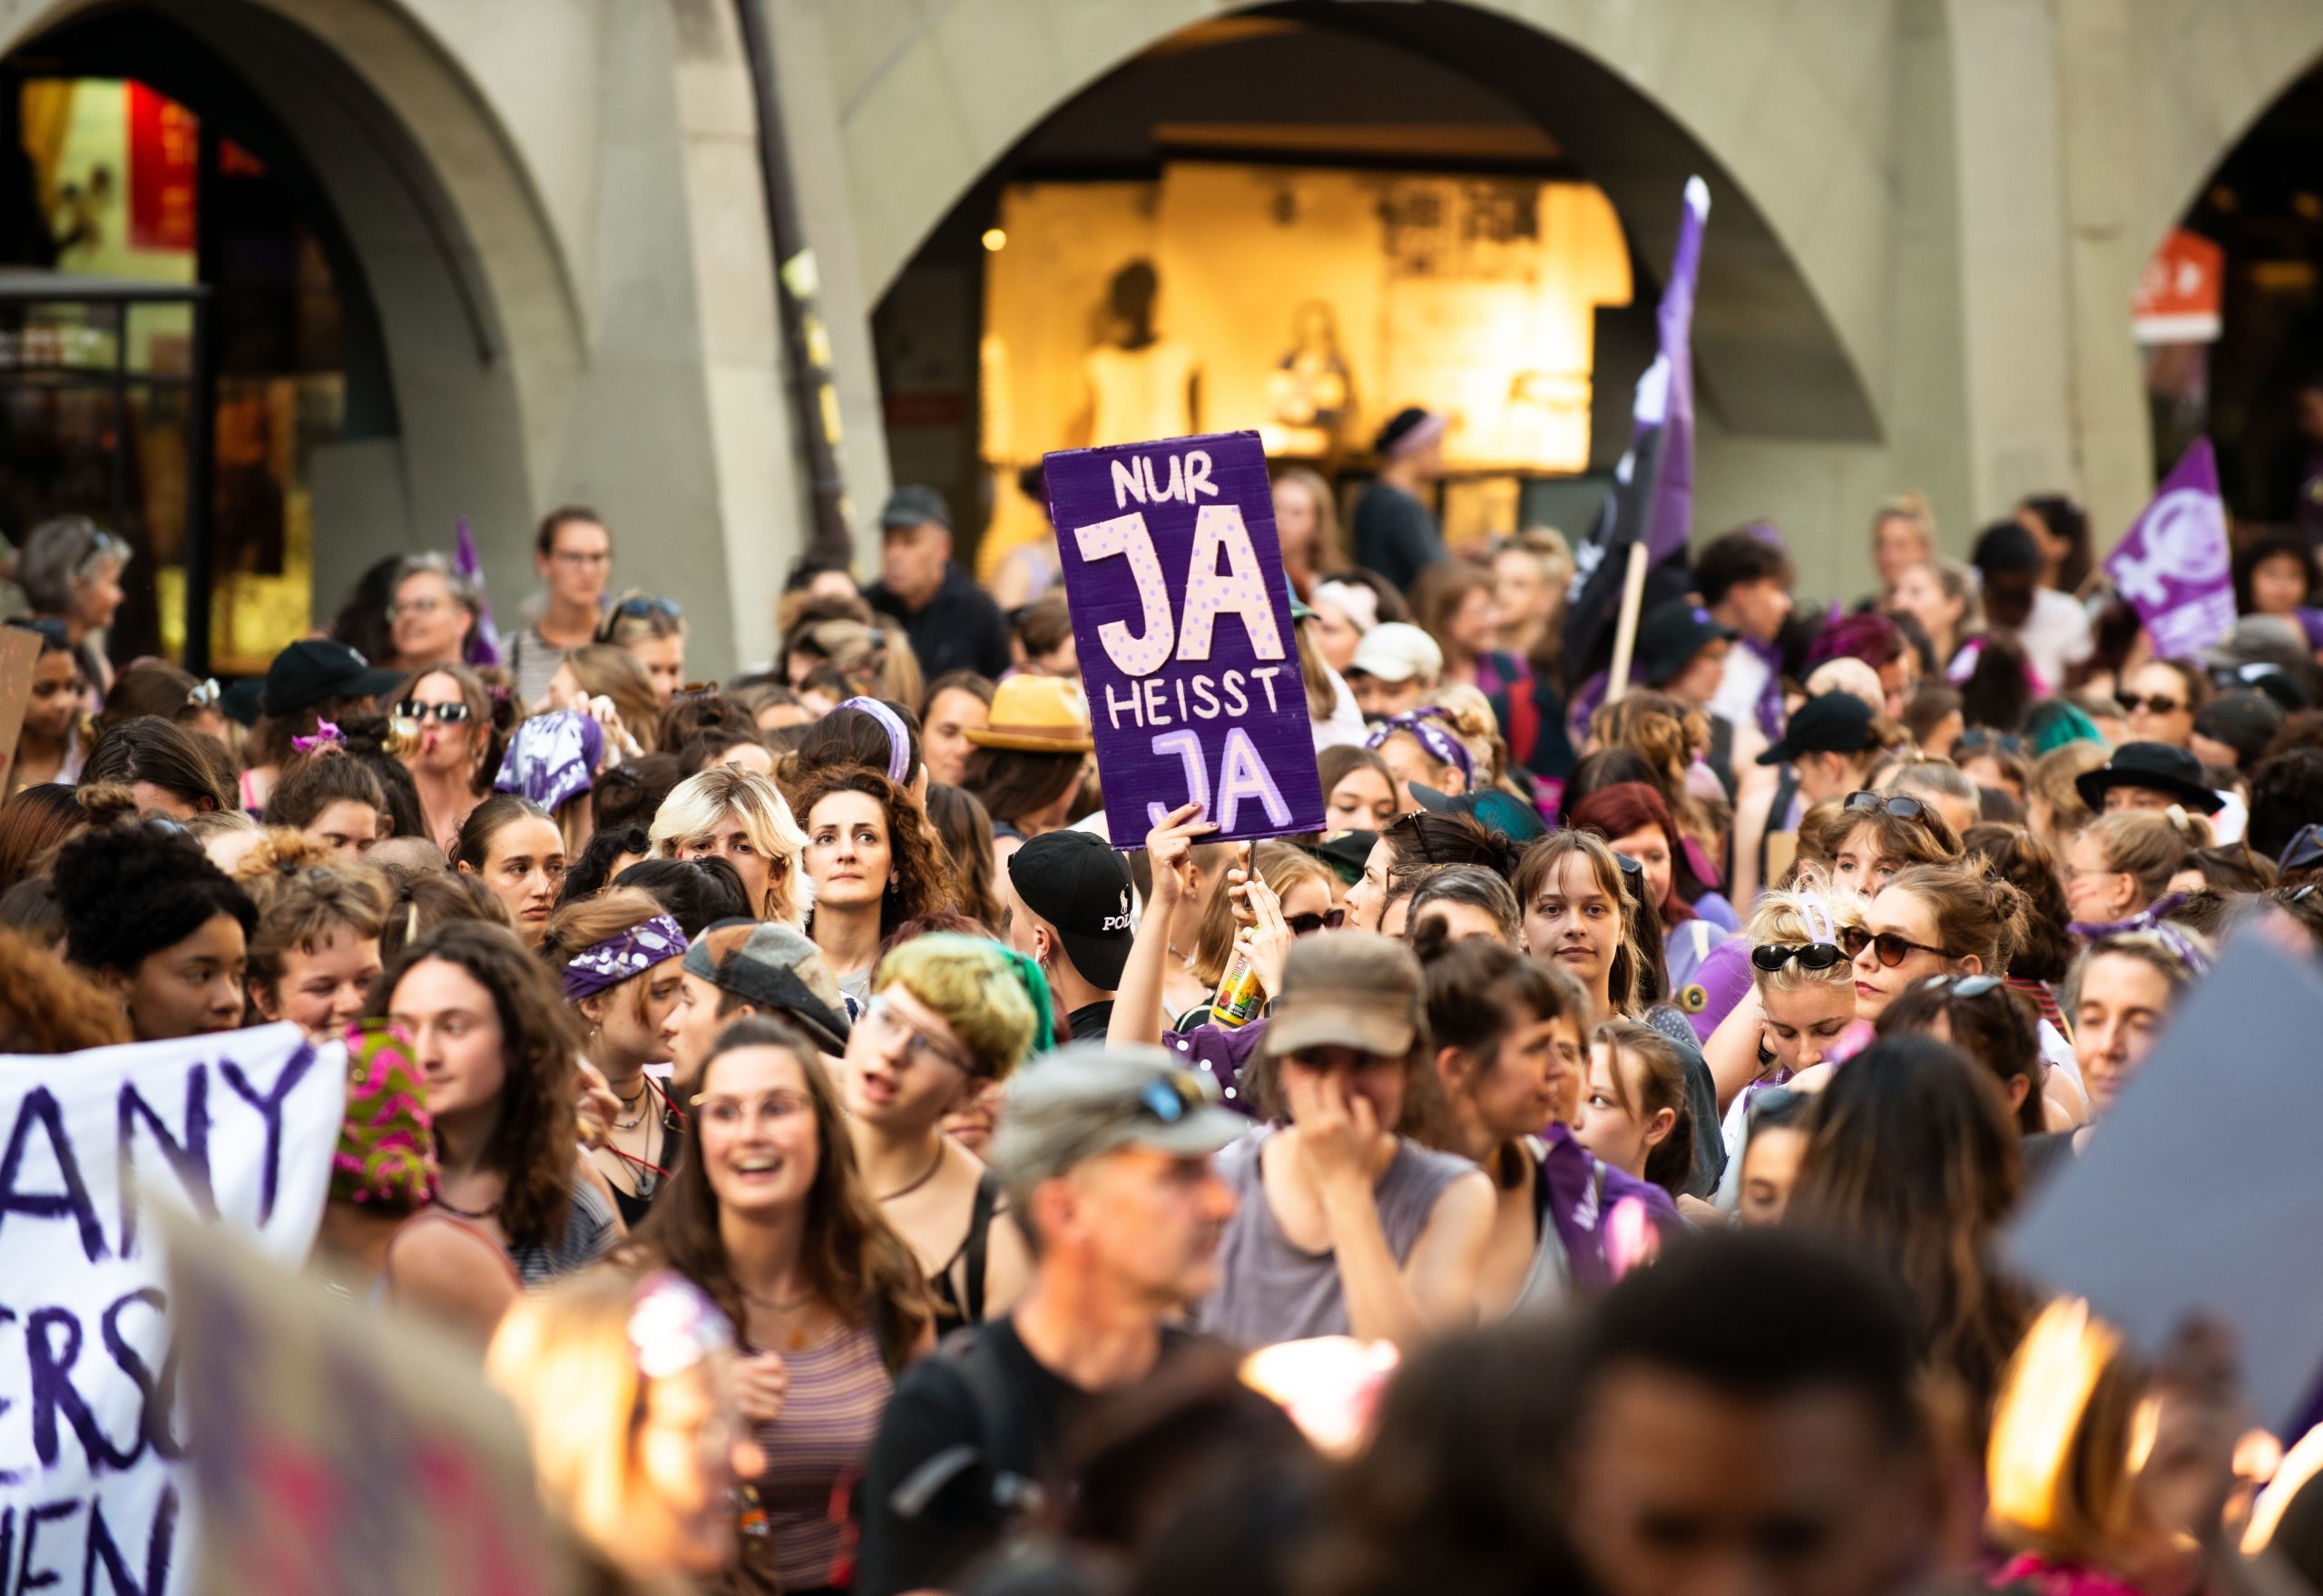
{"points": [[158, 926], [496, 1044]]}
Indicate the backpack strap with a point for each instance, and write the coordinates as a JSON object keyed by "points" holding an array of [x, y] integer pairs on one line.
{"points": [[973, 1251], [999, 1435]]}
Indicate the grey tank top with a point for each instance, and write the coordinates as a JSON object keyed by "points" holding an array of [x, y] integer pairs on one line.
{"points": [[1270, 1290]]}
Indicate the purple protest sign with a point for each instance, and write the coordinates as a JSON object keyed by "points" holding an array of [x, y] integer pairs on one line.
{"points": [[1182, 622], [2173, 566]]}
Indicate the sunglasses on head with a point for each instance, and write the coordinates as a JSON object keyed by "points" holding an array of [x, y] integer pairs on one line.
{"points": [[1901, 806], [1969, 986], [1892, 949], [1772, 956], [203, 694], [2157, 702], [641, 606], [450, 714], [1978, 739], [1308, 925]]}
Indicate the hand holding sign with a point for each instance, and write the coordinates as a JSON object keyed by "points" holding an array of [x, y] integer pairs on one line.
{"points": [[1183, 619]]}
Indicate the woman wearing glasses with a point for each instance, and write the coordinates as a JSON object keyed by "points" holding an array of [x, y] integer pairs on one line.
{"points": [[450, 746], [1301, 889], [769, 1216], [2163, 697], [875, 864], [431, 614], [1879, 834], [1800, 1008], [948, 1015], [1930, 920]]}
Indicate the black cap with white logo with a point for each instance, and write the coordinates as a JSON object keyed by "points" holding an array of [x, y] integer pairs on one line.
{"points": [[1078, 884]]}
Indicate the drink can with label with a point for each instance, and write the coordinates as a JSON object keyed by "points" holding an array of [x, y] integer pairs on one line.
{"points": [[1240, 997]]}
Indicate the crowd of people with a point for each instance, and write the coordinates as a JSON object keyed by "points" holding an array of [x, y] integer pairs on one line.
{"points": [[1577, 1163]]}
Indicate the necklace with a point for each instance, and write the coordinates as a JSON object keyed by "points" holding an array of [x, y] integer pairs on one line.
{"points": [[917, 1182], [645, 1093], [449, 1207], [796, 1338]]}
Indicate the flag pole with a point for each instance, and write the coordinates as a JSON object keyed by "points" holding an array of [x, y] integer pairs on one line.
{"points": [[1617, 674]]}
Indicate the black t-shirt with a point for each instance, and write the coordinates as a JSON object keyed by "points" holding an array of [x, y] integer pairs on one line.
{"points": [[960, 627], [1395, 535], [1091, 1024], [935, 1411]]}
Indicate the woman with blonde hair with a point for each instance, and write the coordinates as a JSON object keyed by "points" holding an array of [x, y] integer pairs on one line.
{"points": [[624, 1387], [769, 1216], [740, 816], [1301, 884], [603, 670], [616, 961], [1801, 1000], [2118, 869]]}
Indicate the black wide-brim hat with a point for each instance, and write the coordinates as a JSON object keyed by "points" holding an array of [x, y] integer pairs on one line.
{"points": [[2152, 765]]}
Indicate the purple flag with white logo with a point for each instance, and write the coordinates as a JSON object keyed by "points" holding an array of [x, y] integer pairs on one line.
{"points": [[1652, 499], [2173, 565], [1183, 620], [484, 643]]}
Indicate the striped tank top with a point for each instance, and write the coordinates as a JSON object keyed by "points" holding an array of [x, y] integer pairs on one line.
{"points": [[814, 1454]]}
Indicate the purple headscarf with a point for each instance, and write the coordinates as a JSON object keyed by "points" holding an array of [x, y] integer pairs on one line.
{"points": [[617, 958]]}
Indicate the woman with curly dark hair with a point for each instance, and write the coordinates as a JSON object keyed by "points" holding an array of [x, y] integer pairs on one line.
{"points": [[875, 862], [498, 1047], [158, 925], [769, 1214]]}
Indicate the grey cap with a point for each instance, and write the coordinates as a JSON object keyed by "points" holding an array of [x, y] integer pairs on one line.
{"points": [[914, 505], [776, 969], [1349, 989], [1088, 1099]]}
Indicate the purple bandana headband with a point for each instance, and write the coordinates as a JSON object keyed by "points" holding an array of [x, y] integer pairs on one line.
{"points": [[1445, 748], [617, 958], [898, 738]]}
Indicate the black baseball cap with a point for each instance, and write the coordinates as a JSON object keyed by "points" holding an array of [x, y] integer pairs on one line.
{"points": [[1348, 853], [1828, 723], [1673, 633], [913, 506], [2154, 766], [317, 668], [1078, 884], [2245, 720]]}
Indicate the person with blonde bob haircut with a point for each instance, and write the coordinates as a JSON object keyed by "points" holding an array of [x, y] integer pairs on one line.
{"points": [[624, 1388], [948, 1016], [740, 816]]}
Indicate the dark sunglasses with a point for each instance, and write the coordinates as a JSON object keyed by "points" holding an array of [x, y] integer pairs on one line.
{"points": [[2131, 703], [1902, 807], [2006, 742], [2304, 848], [1891, 947], [1970, 986], [1308, 925], [451, 714], [1772, 956]]}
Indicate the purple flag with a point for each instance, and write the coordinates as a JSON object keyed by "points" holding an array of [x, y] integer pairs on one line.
{"points": [[484, 643], [2173, 565], [1651, 498], [1183, 620]]}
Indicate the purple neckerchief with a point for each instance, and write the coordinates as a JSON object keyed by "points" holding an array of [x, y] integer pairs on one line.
{"points": [[1769, 705], [1224, 1052], [2149, 921], [1570, 1174]]}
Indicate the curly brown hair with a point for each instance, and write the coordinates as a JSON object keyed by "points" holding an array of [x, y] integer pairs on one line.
{"points": [[535, 1143], [853, 1260], [919, 872], [46, 1006]]}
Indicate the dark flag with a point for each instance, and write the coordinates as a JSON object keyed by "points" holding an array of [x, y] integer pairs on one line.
{"points": [[1651, 498]]}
